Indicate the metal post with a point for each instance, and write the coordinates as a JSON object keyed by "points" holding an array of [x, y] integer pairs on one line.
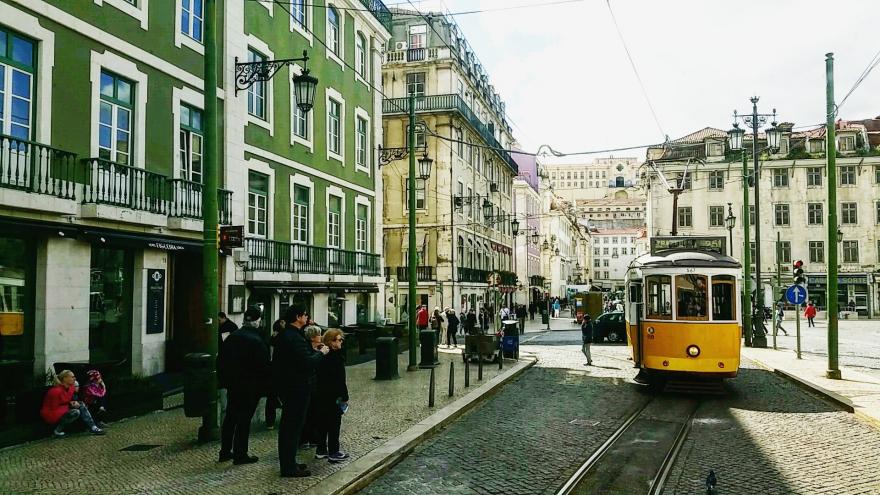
{"points": [[467, 372], [759, 339], [747, 257], [209, 431], [431, 390], [479, 365], [830, 148], [777, 286], [412, 258], [451, 379], [797, 322]]}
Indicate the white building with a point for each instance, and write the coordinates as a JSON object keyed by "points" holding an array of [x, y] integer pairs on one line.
{"points": [[596, 180], [613, 250]]}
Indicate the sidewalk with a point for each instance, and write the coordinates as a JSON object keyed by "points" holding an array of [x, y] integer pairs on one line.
{"points": [[855, 392], [158, 454]]}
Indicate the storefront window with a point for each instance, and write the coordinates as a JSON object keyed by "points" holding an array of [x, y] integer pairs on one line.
{"points": [[16, 283], [335, 306], [691, 298], [363, 308], [110, 305]]}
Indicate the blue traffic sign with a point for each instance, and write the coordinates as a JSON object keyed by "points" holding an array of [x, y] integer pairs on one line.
{"points": [[796, 294]]}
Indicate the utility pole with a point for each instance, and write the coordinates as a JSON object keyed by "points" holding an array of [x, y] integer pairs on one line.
{"points": [[758, 340], [831, 172], [209, 431], [747, 257], [412, 255]]}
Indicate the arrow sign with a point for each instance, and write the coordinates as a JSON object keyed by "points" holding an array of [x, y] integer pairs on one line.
{"points": [[796, 294]]}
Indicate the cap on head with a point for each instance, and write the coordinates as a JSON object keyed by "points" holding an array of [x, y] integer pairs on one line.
{"points": [[253, 313]]}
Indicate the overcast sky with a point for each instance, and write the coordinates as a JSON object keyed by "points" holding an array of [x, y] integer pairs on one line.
{"points": [[564, 74]]}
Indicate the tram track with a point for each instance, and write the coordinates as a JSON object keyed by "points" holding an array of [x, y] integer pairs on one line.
{"points": [[638, 457]]}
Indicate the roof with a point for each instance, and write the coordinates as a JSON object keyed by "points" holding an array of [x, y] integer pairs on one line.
{"points": [[700, 136], [632, 230], [687, 258]]}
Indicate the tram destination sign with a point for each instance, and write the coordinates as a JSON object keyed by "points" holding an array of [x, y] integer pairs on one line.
{"points": [[661, 245]]}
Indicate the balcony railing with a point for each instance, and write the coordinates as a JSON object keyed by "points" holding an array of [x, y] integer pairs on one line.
{"points": [[186, 198], [379, 11], [423, 273], [438, 103], [415, 55], [121, 185], [536, 281], [275, 256], [473, 275], [35, 167], [224, 206]]}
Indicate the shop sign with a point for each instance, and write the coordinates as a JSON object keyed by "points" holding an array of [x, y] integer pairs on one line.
{"points": [[155, 300], [231, 236]]}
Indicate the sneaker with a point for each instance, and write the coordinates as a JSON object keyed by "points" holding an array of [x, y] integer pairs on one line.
{"points": [[102, 425], [321, 454], [98, 431], [58, 433], [337, 457]]}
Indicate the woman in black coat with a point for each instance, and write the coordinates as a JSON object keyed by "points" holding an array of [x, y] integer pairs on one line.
{"points": [[331, 398], [451, 327]]}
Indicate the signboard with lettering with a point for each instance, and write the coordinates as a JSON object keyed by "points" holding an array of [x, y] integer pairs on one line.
{"points": [[662, 245], [155, 300], [231, 236]]}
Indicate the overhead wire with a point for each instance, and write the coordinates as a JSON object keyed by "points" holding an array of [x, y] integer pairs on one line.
{"points": [[875, 60]]}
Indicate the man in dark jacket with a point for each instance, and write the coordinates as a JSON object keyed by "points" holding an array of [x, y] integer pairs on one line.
{"points": [[294, 366], [521, 314], [227, 326], [244, 369]]}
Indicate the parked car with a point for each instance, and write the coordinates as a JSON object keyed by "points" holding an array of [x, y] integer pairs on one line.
{"points": [[611, 326]]}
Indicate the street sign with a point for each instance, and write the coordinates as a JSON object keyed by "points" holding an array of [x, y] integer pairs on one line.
{"points": [[796, 294], [231, 236]]}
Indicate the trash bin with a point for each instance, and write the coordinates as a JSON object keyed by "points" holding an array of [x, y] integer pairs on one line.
{"points": [[545, 317], [430, 356], [386, 358], [199, 385], [511, 327], [510, 346]]}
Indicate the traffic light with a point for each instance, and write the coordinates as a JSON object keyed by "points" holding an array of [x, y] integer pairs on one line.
{"points": [[798, 271]]}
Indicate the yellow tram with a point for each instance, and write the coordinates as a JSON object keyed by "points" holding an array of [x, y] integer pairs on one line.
{"points": [[682, 314]]}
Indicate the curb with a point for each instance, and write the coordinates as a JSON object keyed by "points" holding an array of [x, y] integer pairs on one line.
{"points": [[363, 471], [839, 400]]}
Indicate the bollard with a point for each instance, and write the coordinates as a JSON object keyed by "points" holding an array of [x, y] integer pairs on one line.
{"points": [[467, 373], [431, 390], [451, 379], [501, 359], [480, 368]]}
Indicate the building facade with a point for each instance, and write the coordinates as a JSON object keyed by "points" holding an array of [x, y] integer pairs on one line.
{"points": [[793, 205], [565, 254], [465, 207], [527, 252], [623, 209], [591, 181], [613, 251], [101, 175]]}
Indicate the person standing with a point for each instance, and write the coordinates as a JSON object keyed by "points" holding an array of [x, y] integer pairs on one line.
{"points": [[470, 322], [556, 308], [244, 368], [437, 325], [810, 314], [227, 326], [293, 368], [533, 307], [780, 315], [452, 322], [521, 317], [271, 398], [331, 399], [422, 317], [586, 338]]}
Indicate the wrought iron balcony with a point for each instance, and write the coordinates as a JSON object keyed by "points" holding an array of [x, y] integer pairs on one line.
{"points": [[114, 184], [224, 206], [452, 102], [38, 168], [423, 273], [536, 281], [276, 256], [379, 11], [473, 275]]}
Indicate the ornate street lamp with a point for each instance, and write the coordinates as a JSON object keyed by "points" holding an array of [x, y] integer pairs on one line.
{"points": [[731, 223], [487, 209], [536, 237], [736, 137], [304, 86], [514, 225], [425, 167], [773, 135]]}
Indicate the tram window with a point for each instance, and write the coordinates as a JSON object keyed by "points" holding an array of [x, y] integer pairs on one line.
{"points": [[659, 289], [691, 297], [723, 298]]}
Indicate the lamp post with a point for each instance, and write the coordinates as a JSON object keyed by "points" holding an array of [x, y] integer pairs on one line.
{"points": [[755, 120], [731, 223], [834, 233]]}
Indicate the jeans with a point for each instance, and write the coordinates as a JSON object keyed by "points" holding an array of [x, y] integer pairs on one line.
{"points": [[81, 412], [585, 348], [236, 428]]}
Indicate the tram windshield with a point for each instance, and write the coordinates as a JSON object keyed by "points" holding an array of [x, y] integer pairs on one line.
{"points": [[659, 297], [691, 294], [723, 299]]}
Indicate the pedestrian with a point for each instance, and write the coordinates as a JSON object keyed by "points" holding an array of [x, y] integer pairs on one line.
{"points": [[532, 310], [587, 338], [331, 398], [244, 369], [484, 321], [272, 397], [422, 317], [309, 437], [556, 308], [780, 315], [810, 314], [227, 326], [60, 408], [521, 317], [293, 369], [470, 322], [437, 325], [452, 322], [94, 396]]}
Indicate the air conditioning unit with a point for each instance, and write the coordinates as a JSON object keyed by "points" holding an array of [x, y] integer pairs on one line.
{"points": [[400, 45]]}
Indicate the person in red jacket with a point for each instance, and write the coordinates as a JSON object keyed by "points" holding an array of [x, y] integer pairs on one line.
{"points": [[810, 313], [60, 409], [422, 317]]}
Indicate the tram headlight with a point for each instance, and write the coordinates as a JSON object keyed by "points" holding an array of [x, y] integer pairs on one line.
{"points": [[693, 351]]}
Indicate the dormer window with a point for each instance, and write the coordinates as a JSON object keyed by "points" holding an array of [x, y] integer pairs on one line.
{"points": [[846, 143], [816, 146], [714, 149]]}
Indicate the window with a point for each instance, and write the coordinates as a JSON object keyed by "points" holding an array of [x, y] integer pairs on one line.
{"points": [[415, 83], [191, 18], [846, 143], [17, 68], [752, 252], [691, 297], [784, 252], [361, 142], [257, 92], [605, 262], [334, 137], [360, 228], [781, 215], [850, 251], [258, 199], [814, 213], [876, 174], [334, 222], [298, 11], [360, 55], [682, 181], [814, 177], [659, 291], [110, 297], [420, 194], [817, 251], [605, 251], [849, 213], [685, 217], [301, 200], [418, 36], [848, 175], [723, 298], [333, 30], [816, 146], [716, 179], [115, 119], [191, 137], [751, 214], [715, 149], [596, 262], [716, 216], [16, 282], [878, 212], [780, 177], [300, 123], [420, 137]]}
